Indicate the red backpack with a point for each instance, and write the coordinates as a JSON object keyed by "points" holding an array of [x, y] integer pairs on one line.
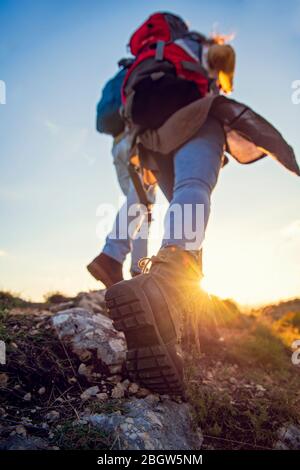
{"points": [[166, 74]]}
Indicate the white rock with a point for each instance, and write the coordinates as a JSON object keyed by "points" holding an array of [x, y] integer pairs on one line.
{"points": [[102, 396], [60, 319], [156, 426], [27, 397], [118, 391], [52, 416], [133, 388], [90, 392], [85, 370], [85, 332], [289, 438]]}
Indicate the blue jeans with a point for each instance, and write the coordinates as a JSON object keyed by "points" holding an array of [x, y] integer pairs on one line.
{"points": [[187, 178], [195, 170], [119, 247]]}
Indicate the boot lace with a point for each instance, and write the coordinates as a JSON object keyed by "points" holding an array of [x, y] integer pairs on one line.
{"points": [[147, 262]]}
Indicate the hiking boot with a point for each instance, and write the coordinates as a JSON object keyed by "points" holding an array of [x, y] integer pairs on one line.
{"points": [[149, 309], [106, 269], [135, 273]]}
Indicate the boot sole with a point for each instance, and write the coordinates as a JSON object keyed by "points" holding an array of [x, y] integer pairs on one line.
{"points": [[149, 359]]}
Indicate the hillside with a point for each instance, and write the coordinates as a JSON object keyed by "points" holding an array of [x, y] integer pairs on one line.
{"points": [[65, 385]]}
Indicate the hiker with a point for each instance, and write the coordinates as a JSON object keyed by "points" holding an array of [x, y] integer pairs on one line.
{"points": [[173, 101], [107, 266]]}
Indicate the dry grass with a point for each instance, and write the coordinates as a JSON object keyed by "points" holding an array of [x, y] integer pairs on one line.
{"points": [[244, 386]]}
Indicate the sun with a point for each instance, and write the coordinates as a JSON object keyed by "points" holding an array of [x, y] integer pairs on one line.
{"points": [[204, 284]]}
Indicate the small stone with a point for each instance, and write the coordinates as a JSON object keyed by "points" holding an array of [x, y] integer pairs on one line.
{"points": [[118, 391], [289, 438], [260, 388], [21, 430], [25, 420], [165, 397], [102, 396], [129, 420], [152, 399], [72, 380], [114, 379], [90, 392], [126, 383], [133, 388], [85, 370], [3, 380], [27, 397], [52, 416], [42, 390], [154, 419], [79, 422], [115, 369], [124, 427], [33, 332], [143, 392]]}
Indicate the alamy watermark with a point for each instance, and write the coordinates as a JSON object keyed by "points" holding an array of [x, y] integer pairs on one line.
{"points": [[296, 353], [2, 92], [296, 93], [2, 353], [178, 222]]}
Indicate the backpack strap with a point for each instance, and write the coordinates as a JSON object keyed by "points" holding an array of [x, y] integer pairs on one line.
{"points": [[194, 67], [159, 54]]}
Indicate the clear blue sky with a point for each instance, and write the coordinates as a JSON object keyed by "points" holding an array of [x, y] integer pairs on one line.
{"points": [[55, 56]]}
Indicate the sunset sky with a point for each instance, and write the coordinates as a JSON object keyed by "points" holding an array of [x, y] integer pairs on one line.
{"points": [[55, 170]]}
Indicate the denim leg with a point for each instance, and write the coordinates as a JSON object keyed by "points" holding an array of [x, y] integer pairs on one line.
{"points": [[196, 167], [140, 244], [118, 247], [139, 250]]}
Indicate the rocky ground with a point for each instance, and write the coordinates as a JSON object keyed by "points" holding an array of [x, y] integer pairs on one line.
{"points": [[65, 385]]}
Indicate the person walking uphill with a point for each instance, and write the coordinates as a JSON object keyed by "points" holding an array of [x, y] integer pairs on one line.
{"points": [[172, 102], [107, 267]]}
